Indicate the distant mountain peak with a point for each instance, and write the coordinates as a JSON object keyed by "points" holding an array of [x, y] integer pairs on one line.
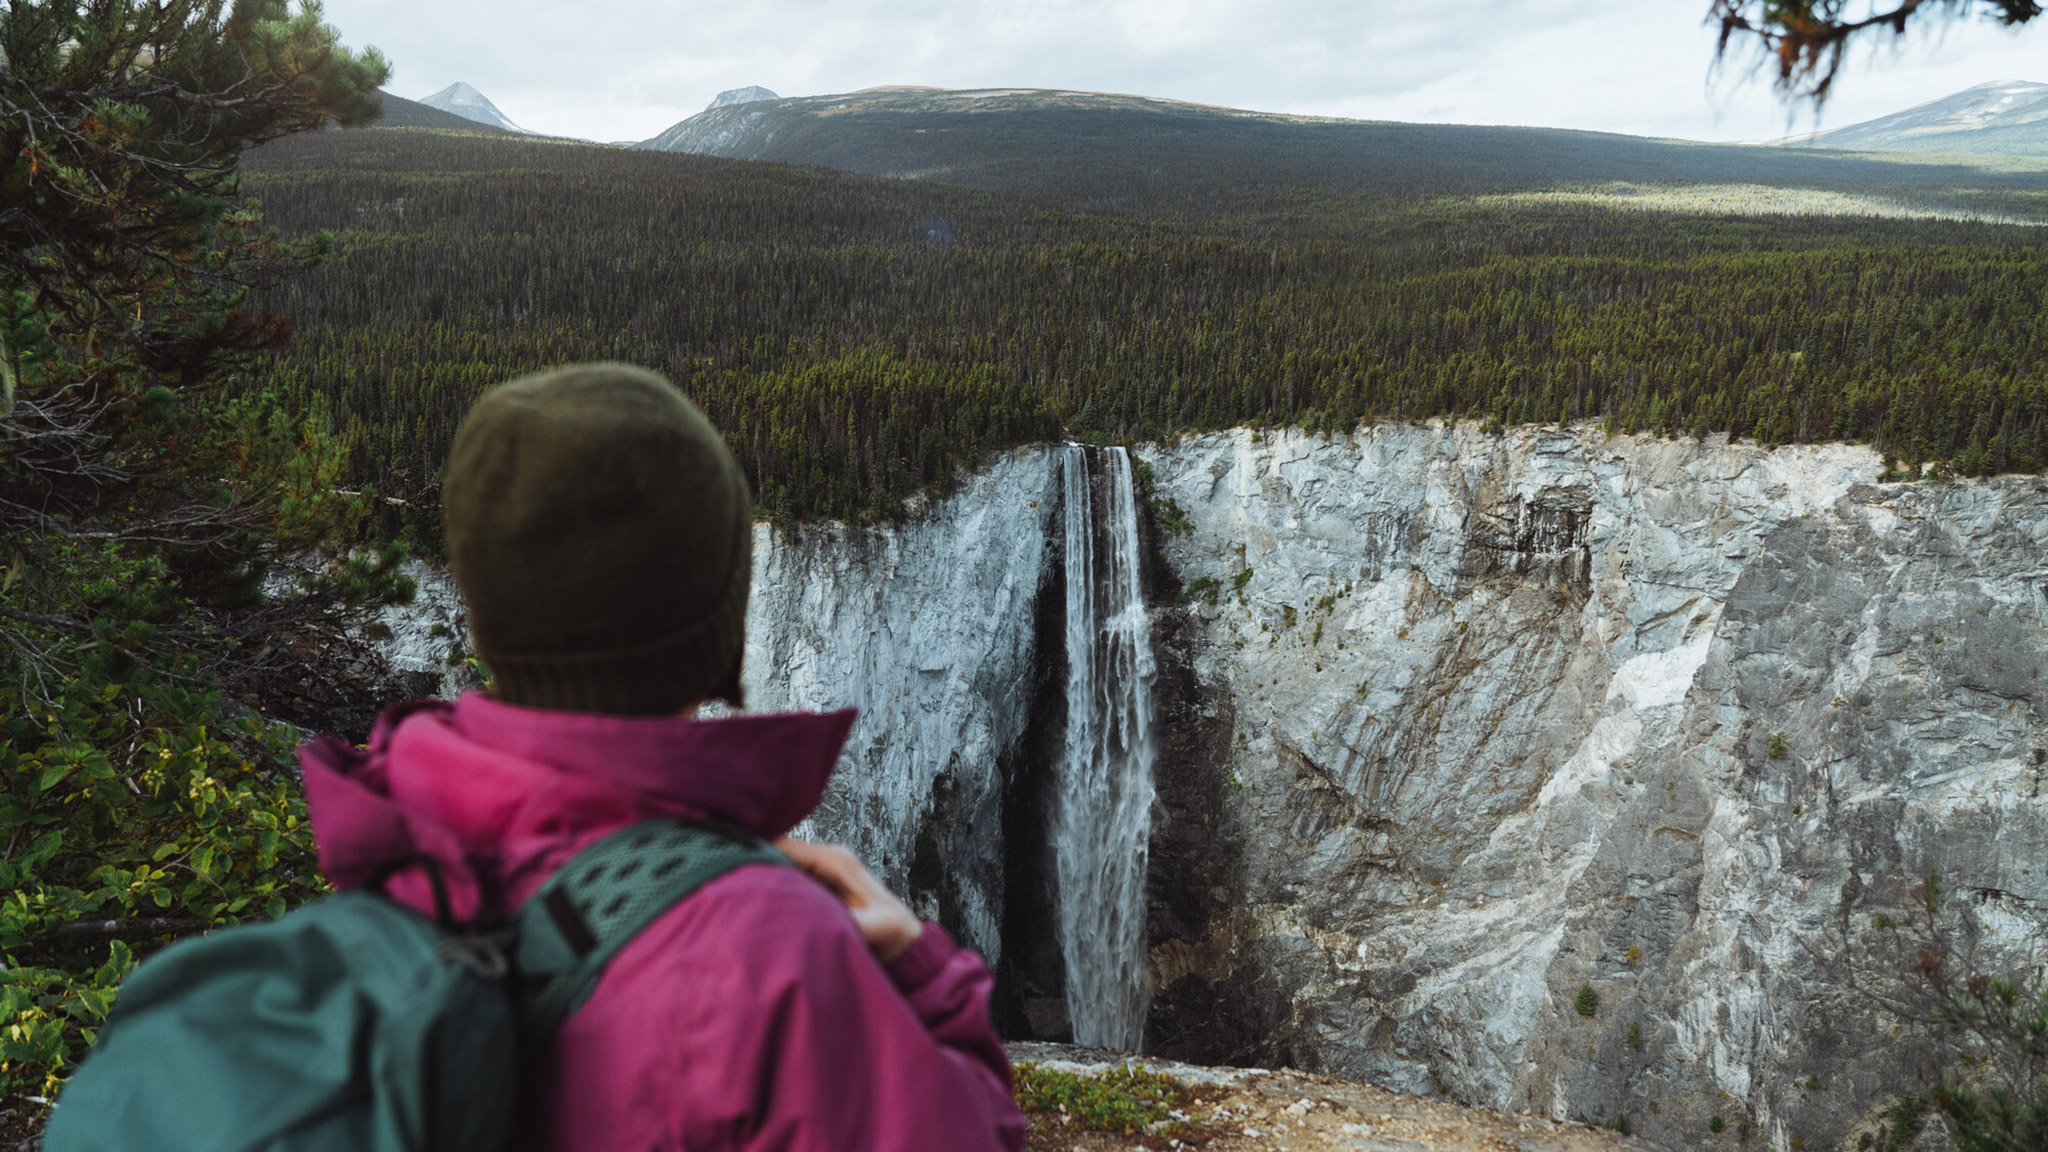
{"points": [[751, 94], [2008, 117], [464, 101]]}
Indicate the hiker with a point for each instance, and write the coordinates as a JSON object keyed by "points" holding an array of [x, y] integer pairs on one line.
{"points": [[602, 538]]}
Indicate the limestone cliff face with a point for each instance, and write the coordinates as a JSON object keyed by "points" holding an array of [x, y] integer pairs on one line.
{"points": [[927, 628], [1457, 724], [1506, 716]]}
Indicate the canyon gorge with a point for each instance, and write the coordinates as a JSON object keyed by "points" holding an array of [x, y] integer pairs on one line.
{"points": [[1544, 770]]}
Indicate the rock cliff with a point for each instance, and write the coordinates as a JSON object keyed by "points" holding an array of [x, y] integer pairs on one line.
{"points": [[928, 628], [1498, 718], [1458, 727]]}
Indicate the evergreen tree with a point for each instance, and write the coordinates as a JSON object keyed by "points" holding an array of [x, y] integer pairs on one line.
{"points": [[125, 122], [140, 499]]}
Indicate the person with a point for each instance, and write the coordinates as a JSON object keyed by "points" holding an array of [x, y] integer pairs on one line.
{"points": [[601, 536]]}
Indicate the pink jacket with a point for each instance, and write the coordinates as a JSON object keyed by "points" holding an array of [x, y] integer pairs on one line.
{"points": [[750, 1016]]}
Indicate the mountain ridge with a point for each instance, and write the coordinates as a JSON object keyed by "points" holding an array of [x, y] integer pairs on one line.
{"points": [[1098, 151], [2001, 118]]}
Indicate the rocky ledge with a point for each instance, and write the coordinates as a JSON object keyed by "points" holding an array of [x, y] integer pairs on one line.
{"points": [[1258, 1110]]}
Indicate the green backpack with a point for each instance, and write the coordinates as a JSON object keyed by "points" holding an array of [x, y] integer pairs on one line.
{"points": [[358, 1025]]}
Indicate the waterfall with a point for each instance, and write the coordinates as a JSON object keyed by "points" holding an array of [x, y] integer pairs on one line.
{"points": [[1102, 815]]}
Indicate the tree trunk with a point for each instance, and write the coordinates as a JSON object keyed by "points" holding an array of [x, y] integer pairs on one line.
{"points": [[6, 381]]}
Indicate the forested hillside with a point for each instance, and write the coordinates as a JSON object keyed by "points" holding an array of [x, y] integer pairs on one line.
{"points": [[861, 338], [1093, 151]]}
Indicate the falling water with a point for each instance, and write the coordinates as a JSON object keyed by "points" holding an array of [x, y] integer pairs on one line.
{"points": [[1103, 815]]}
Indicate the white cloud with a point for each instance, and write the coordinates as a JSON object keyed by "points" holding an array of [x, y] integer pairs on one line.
{"points": [[627, 71]]}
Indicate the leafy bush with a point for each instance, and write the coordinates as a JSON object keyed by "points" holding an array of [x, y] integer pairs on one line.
{"points": [[129, 811], [47, 1015]]}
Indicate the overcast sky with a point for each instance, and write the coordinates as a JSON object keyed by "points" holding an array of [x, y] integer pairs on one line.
{"points": [[630, 68]]}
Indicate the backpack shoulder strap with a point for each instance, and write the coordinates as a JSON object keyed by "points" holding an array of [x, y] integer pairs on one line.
{"points": [[597, 902]]}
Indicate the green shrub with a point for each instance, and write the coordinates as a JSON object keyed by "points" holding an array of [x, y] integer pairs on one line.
{"points": [[1203, 589], [135, 803], [1902, 1123], [1170, 516]]}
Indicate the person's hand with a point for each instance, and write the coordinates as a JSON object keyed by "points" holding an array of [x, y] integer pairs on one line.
{"points": [[884, 922]]}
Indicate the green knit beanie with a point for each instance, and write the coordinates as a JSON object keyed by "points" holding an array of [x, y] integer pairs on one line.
{"points": [[602, 538]]}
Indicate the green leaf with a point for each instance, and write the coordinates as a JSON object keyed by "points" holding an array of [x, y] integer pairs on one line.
{"points": [[51, 776], [41, 851], [92, 1004], [274, 908], [120, 962]]}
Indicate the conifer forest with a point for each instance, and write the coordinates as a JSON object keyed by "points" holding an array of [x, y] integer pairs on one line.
{"points": [[861, 339]]}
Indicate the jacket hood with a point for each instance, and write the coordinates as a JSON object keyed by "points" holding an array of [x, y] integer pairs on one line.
{"points": [[497, 794]]}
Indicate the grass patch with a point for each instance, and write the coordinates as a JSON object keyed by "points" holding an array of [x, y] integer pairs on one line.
{"points": [[1124, 1101]]}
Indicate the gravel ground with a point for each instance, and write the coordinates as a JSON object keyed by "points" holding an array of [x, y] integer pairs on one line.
{"points": [[1253, 1110]]}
